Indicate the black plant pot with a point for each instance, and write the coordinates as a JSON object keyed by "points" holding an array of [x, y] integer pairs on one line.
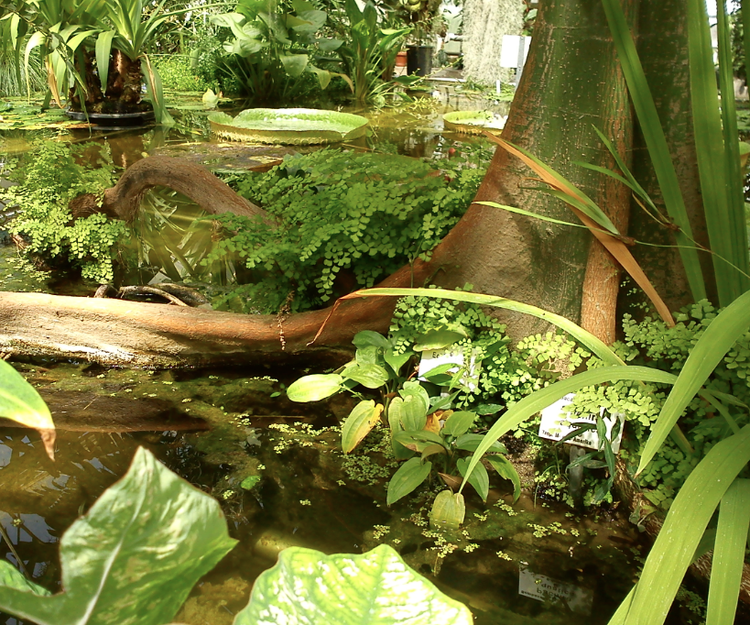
{"points": [[114, 120], [419, 60]]}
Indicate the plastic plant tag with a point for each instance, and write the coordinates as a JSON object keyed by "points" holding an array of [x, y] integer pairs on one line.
{"points": [[543, 588], [433, 358], [556, 424]]}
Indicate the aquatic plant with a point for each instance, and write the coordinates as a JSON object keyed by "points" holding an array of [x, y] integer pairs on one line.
{"points": [[114, 574], [45, 222], [417, 414], [273, 46]]}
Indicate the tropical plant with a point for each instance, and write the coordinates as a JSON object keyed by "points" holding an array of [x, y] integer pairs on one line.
{"points": [[20, 402], [141, 547], [274, 45], [415, 411], [341, 217], [94, 48], [370, 53]]}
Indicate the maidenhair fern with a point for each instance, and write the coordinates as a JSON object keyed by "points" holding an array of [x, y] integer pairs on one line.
{"points": [[343, 220]]}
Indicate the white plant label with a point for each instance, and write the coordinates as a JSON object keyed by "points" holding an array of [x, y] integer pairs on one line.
{"points": [[432, 358], [543, 588], [556, 423]]}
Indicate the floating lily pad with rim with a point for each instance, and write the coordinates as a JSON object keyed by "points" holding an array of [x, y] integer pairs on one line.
{"points": [[474, 122], [289, 126]]}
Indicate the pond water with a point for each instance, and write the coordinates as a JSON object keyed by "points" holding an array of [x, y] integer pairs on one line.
{"points": [[217, 428], [308, 494]]}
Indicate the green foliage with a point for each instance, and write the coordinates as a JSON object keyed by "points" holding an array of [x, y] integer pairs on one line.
{"points": [[274, 46], [178, 73], [20, 401], [505, 373], [133, 558], [370, 53], [415, 412], [46, 185], [342, 217], [310, 588]]}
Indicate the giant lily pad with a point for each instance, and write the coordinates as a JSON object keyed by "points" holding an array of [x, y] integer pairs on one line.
{"points": [[307, 587], [474, 122], [288, 126]]}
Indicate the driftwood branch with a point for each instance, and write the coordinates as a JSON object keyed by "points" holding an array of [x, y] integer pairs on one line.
{"points": [[192, 180]]}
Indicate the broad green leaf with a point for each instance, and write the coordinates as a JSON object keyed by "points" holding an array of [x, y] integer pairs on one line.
{"points": [[133, 558], [20, 402], [366, 355], [683, 528], [656, 142], [448, 510], [587, 339], [418, 441], [368, 337], [358, 424], [294, 64], [477, 476], [470, 442], [394, 422], [459, 423], [315, 387], [505, 469], [729, 553], [415, 389], [11, 577], [103, 51], [368, 375], [395, 360], [432, 449], [250, 482], [306, 587], [409, 475], [410, 412], [716, 341], [438, 339], [537, 401]]}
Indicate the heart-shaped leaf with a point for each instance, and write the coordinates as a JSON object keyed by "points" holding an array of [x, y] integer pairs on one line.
{"points": [[307, 587], [133, 558], [448, 510]]}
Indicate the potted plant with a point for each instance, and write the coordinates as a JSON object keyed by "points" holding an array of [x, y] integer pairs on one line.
{"points": [[95, 53], [420, 14]]}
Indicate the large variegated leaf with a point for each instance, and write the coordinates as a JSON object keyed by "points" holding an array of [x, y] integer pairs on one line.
{"points": [[133, 558], [307, 587]]}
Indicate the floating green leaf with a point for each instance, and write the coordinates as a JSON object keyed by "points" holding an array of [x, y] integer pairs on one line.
{"points": [[307, 587], [314, 387], [133, 558]]}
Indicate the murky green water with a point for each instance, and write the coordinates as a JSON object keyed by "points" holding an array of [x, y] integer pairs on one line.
{"points": [[308, 495]]}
